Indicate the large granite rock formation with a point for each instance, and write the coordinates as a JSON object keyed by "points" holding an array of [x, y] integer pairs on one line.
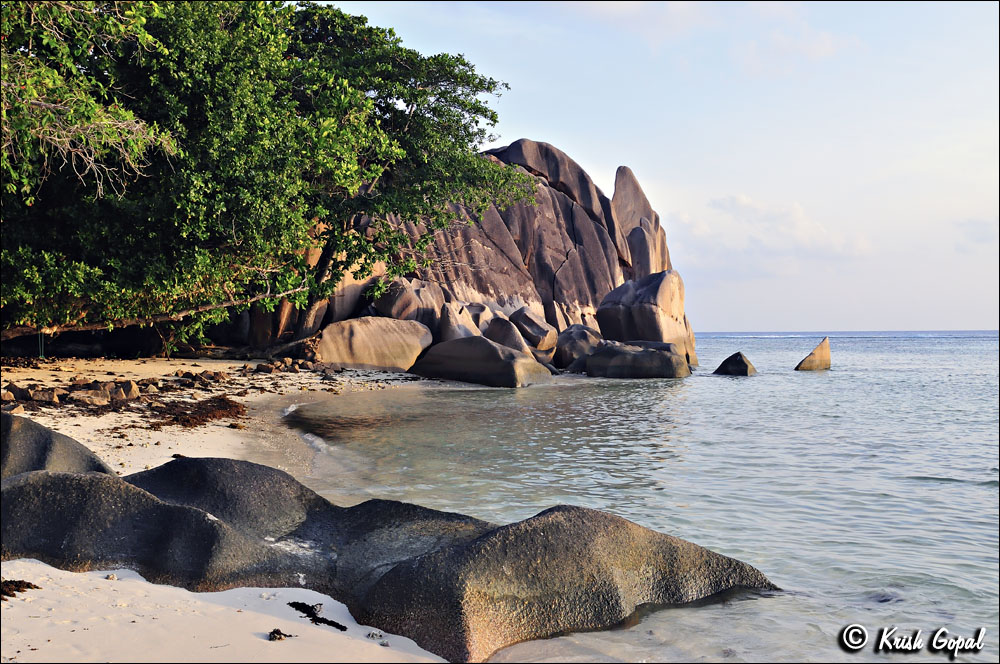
{"points": [[818, 359], [458, 586], [373, 342], [480, 360], [650, 309], [26, 445], [559, 258]]}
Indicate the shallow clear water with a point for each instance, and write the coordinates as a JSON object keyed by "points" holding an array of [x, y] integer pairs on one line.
{"points": [[869, 493]]}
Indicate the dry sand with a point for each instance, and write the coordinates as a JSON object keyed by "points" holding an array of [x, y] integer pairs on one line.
{"points": [[85, 617]]}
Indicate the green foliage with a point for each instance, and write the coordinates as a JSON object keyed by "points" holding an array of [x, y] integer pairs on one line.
{"points": [[292, 131], [56, 113]]}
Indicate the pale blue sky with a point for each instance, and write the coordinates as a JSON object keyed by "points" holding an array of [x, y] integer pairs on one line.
{"points": [[817, 166]]}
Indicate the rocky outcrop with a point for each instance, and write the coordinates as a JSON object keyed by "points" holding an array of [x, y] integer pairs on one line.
{"points": [[407, 299], [736, 364], [26, 445], [373, 342], [616, 360], [818, 359], [460, 587], [479, 360], [651, 309]]}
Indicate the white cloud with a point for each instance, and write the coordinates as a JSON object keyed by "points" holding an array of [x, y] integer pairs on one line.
{"points": [[737, 236], [655, 22]]}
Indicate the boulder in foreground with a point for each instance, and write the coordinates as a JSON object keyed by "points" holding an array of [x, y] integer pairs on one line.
{"points": [[617, 360], [574, 342], [458, 586], [373, 342], [480, 360], [26, 445], [818, 359], [736, 364]]}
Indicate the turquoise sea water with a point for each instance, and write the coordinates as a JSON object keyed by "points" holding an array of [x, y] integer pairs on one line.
{"points": [[869, 492]]}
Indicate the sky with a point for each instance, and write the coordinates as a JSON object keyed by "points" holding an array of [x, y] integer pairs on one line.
{"points": [[816, 166]]}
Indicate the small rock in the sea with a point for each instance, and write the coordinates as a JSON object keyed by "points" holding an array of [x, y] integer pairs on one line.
{"points": [[384, 644], [375, 635], [112, 577], [277, 635], [317, 609], [236, 425]]}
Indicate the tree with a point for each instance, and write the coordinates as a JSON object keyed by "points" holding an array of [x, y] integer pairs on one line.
{"points": [[56, 113], [291, 125], [435, 108]]}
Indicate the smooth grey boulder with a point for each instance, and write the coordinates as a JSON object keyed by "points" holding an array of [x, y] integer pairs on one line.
{"points": [[818, 359], [616, 360], [456, 322], [651, 309], [565, 569], [373, 342], [736, 364], [574, 342], [506, 334], [534, 329], [26, 445], [480, 360], [82, 521], [461, 587], [412, 300]]}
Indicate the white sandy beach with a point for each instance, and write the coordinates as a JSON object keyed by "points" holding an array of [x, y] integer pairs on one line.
{"points": [[86, 617]]}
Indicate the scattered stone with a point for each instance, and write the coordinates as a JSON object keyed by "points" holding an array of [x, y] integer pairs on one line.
{"points": [[129, 389], [14, 409], [43, 396], [118, 394], [90, 397], [265, 369], [277, 635], [736, 364], [6, 396], [818, 359], [111, 577], [375, 635]]}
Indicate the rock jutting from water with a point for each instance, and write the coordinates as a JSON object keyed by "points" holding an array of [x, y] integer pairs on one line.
{"points": [[818, 359], [460, 587], [736, 364]]}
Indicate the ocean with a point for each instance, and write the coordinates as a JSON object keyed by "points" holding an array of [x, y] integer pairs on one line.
{"points": [[868, 493]]}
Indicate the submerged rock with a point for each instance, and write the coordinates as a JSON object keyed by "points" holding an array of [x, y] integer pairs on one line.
{"points": [[736, 364], [480, 360], [26, 445], [818, 359]]}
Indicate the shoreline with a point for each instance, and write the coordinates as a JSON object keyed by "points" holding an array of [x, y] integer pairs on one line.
{"points": [[130, 619]]}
